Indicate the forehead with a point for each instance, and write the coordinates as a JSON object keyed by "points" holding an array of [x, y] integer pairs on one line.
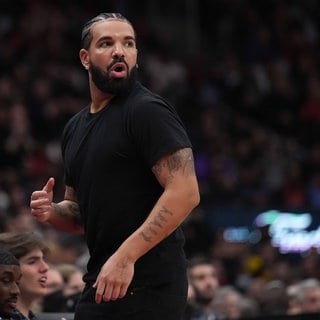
{"points": [[202, 269], [12, 268], [112, 28], [35, 253]]}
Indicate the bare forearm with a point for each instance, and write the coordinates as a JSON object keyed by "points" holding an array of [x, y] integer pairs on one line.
{"points": [[167, 215], [176, 174], [65, 216]]}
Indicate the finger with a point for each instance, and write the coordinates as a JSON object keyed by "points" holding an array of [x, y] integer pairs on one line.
{"points": [[108, 293], [123, 291], [38, 194], [115, 293], [40, 216], [41, 202], [41, 210], [49, 185], [99, 292]]}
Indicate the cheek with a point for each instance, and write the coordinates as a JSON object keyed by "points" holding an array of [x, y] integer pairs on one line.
{"points": [[28, 276], [131, 60], [3, 294]]}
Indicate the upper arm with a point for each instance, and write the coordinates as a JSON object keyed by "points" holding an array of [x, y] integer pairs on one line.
{"points": [[178, 166], [70, 194]]}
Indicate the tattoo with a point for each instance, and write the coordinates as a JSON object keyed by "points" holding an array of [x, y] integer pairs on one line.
{"points": [[182, 159], [75, 213], [71, 211], [179, 160], [158, 222]]}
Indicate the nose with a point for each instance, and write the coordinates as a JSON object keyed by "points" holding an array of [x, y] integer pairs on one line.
{"points": [[44, 267], [118, 51], [15, 289]]}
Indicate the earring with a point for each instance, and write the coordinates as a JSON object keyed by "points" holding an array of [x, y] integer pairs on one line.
{"points": [[137, 66]]}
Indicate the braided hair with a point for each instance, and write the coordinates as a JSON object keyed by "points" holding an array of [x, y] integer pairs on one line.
{"points": [[86, 35], [7, 258]]}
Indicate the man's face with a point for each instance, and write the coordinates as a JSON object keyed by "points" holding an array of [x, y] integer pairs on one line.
{"points": [[205, 282], [34, 270], [112, 56], [9, 291], [311, 301]]}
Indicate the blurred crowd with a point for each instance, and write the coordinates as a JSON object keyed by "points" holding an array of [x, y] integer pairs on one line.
{"points": [[244, 76]]}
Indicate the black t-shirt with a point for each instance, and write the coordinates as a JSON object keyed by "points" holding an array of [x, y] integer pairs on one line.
{"points": [[108, 158]]}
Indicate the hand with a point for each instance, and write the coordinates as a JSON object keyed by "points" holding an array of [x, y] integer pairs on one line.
{"points": [[114, 279], [41, 202]]}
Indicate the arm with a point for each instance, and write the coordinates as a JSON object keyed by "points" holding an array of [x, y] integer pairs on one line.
{"points": [[64, 215], [176, 174]]}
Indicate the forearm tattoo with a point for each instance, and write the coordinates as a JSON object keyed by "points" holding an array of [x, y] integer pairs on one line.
{"points": [[164, 170], [69, 211], [157, 223]]}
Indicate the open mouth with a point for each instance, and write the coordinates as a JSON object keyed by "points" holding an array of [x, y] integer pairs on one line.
{"points": [[12, 303], [118, 70], [43, 282]]}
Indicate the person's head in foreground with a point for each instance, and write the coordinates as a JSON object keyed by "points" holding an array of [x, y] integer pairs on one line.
{"points": [[30, 249], [10, 275]]}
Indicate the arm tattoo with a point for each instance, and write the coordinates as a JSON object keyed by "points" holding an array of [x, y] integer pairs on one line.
{"points": [[182, 159], [179, 160], [157, 223], [71, 211], [75, 213]]}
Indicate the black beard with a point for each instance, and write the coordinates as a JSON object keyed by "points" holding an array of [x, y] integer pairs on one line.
{"points": [[106, 84]]}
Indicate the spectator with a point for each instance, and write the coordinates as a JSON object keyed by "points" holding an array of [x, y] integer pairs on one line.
{"points": [[66, 297], [55, 281], [204, 282], [30, 249], [10, 275], [308, 296], [227, 303]]}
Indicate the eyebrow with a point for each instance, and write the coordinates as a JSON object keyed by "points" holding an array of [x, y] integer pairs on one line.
{"points": [[33, 257], [7, 273], [111, 38]]}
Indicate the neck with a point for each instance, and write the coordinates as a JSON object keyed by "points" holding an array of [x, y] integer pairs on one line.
{"points": [[99, 99], [24, 306]]}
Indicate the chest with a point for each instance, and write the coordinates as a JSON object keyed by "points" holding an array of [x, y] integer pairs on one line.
{"points": [[99, 147]]}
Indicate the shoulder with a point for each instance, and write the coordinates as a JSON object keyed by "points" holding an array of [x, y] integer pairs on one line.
{"points": [[78, 116], [19, 316], [143, 94], [74, 121], [144, 101]]}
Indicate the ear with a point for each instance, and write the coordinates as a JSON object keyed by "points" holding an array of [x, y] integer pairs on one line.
{"points": [[83, 54]]}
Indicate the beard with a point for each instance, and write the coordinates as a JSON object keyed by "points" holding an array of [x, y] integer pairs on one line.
{"points": [[107, 84]]}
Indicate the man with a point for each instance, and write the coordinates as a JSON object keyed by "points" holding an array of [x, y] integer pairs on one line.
{"points": [[10, 276], [30, 250], [204, 282], [308, 296], [130, 183]]}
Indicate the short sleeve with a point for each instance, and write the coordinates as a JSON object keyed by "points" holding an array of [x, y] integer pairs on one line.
{"points": [[156, 130]]}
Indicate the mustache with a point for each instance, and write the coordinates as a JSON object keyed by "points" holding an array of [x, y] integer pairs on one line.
{"points": [[117, 60], [13, 298]]}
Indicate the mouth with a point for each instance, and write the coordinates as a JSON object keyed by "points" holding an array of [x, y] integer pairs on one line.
{"points": [[118, 70], [12, 303], [43, 281]]}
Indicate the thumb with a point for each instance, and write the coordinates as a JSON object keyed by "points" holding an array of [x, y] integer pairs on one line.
{"points": [[49, 186]]}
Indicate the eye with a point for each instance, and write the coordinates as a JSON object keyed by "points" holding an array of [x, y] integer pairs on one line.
{"points": [[105, 44], [130, 44], [32, 261], [6, 280]]}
